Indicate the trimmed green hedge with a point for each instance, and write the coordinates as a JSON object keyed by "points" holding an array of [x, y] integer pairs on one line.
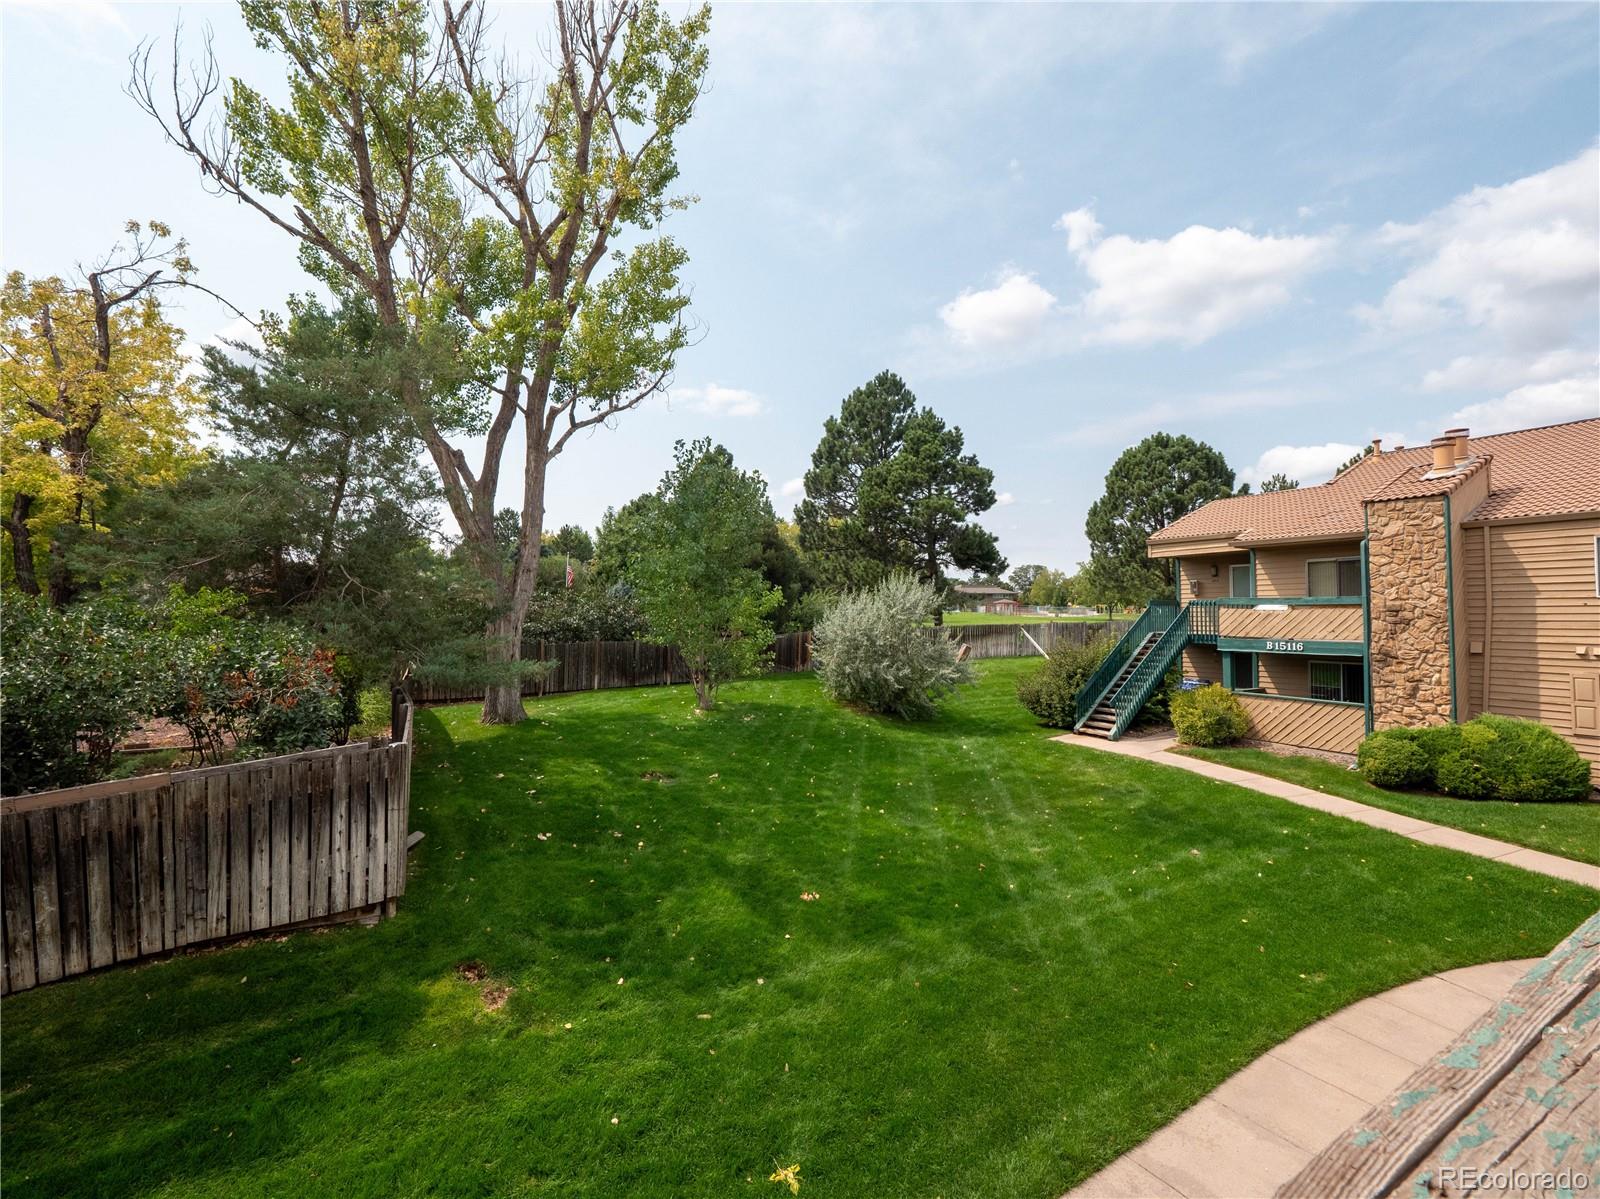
{"points": [[1491, 757], [1209, 716]]}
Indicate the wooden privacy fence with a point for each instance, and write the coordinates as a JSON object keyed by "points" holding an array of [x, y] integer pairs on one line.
{"points": [[116, 871], [1013, 640], [601, 665]]}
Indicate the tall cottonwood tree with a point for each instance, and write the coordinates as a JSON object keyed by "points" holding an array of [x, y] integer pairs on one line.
{"points": [[95, 399], [474, 203]]}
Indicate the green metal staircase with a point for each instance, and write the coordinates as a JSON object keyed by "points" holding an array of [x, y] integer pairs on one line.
{"points": [[1108, 703]]}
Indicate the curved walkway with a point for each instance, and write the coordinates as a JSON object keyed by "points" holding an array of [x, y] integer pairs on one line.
{"points": [[1158, 748], [1258, 1129]]}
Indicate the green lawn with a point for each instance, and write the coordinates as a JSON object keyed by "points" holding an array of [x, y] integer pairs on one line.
{"points": [[960, 618], [1021, 959], [1569, 829]]}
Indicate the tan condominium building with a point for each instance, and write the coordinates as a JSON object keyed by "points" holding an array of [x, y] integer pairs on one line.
{"points": [[1420, 585]]}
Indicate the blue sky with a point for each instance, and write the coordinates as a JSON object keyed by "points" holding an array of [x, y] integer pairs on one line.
{"points": [[1281, 229]]}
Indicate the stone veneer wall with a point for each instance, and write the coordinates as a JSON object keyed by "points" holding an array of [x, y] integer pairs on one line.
{"points": [[1410, 612]]}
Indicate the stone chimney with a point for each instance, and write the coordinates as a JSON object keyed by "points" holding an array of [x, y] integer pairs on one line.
{"points": [[1460, 450]]}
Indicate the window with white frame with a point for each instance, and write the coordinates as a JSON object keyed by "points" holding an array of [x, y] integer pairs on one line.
{"points": [[1239, 579]]}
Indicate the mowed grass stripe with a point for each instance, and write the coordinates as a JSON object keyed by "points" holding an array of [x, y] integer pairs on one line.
{"points": [[1164, 930]]}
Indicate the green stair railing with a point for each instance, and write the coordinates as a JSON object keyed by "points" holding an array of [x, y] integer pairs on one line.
{"points": [[1136, 691], [1204, 619], [1153, 619]]}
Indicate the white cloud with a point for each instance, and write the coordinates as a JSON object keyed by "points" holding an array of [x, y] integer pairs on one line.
{"points": [[1188, 287], [1531, 405], [1310, 464], [1012, 311], [793, 489], [1004, 500], [1521, 260], [1476, 372], [1081, 227], [716, 400]]}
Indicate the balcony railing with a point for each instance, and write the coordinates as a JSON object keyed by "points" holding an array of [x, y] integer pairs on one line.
{"points": [[1280, 624]]}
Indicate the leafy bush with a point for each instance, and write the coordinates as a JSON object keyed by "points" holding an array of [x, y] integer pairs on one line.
{"points": [[76, 679], [72, 685], [1491, 757], [1209, 716], [871, 649], [1051, 691], [1514, 759], [586, 612], [1392, 758], [263, 685]]}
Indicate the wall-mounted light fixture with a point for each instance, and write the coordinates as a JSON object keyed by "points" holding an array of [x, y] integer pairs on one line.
{"points": [[1214, 570]]}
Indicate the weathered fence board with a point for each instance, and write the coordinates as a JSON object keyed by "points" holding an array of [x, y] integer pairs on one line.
{"points": [[108, 873], [602, 665], [1464, 1110]]}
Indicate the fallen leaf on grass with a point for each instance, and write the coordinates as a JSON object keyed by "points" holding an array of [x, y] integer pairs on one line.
{"points": [[786, 1174]]}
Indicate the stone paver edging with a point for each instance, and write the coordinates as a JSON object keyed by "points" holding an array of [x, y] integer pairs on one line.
{"points": [[1159, 749], [1259, 1129]]}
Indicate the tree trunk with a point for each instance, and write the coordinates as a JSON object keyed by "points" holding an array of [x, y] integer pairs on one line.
{"points": [[931, 573], [705, 696], [502, 700], [22, 544]]}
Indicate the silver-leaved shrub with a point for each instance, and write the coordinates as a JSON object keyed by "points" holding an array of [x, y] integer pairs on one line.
{"points": [[872, 648]]}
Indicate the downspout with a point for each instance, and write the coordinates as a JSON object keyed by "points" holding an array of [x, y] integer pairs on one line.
{"points": [[1450, 605], [1177, 575], [1366, 617], [1252, 574]]}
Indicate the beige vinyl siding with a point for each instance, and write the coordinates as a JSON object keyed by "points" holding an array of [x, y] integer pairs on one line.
{"points": [[1202, 662], [1463, 501], [1320, 622], [1539, 619], [1282, 674], [1198, 570], [1475, 594], [1308, 724], [1282, 570]]}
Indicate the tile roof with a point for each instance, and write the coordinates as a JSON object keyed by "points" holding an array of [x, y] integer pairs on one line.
{"points": [[1549, 471]]}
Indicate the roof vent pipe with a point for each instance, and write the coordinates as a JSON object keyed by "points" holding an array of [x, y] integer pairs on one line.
{"points": [[1459, 436], [1444, 453]]}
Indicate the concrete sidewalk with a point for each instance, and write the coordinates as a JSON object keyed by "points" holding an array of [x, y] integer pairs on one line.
{"points": [[1158, 748], [1257, 1130]]}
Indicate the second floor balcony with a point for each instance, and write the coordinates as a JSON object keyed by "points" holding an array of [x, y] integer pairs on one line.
{"points": [[1301, 624]]}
